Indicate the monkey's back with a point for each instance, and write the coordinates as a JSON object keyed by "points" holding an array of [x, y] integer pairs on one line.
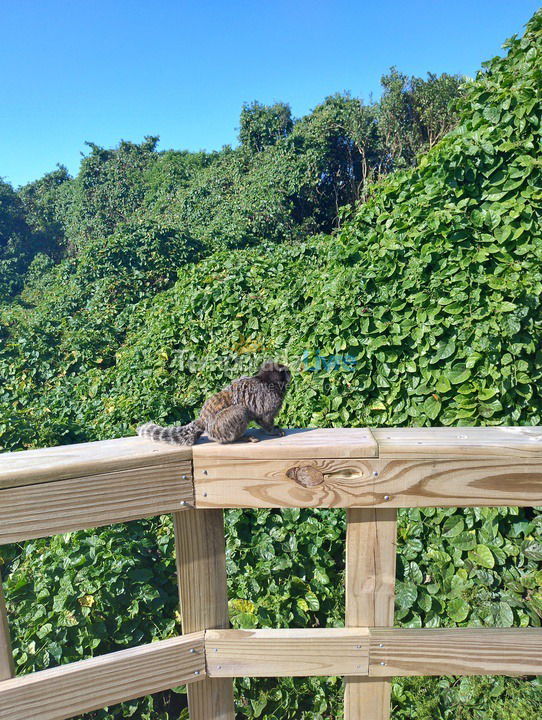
{"points": [[215, 404]]}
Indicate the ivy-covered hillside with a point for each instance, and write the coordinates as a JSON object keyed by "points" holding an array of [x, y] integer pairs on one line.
{"points": [[424, 308]]}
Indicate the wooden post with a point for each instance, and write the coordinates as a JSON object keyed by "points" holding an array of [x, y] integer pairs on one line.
{"points": [[371, 538], [201, 568], [7, 668]]}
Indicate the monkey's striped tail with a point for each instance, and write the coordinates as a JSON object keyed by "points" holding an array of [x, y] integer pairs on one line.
{"points": [[178, 435]]}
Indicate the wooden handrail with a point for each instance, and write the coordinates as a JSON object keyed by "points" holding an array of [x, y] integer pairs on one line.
{"points": [[371, 472]]}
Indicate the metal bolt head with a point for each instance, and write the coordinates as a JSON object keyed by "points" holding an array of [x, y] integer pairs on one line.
{"points": [[375, 473], [183, 503], [382, 662], [196, 672], [204, 494], [386, 497], [184, 477], [192, 650], [380, 644], [219, 667]]}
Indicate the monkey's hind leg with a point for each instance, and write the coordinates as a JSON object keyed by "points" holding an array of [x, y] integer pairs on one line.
{"points": [[229, 424]]}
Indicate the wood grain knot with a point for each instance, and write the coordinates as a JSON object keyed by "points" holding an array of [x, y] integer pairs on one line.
{"points": [[306, 475]]}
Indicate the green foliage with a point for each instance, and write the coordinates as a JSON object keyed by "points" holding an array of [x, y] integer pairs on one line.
{"points": [[423, 310], [263, 125], [14, 235], [414, 114], [44, 207]]}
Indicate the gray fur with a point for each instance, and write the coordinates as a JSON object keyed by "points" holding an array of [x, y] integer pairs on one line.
{"points": [[226, 415]]}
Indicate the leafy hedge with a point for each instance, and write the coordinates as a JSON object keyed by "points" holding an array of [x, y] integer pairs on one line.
{"points": [[423, 310]]}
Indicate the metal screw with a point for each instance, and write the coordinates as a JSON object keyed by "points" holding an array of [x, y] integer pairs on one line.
{"points": [[375, 473], [215, 649], [205, 472], [183, 503], [192, 650], [204, 494], [386, 497], [382, 662], [380, 644], [219, 667], [184, 477], [196, 672]]}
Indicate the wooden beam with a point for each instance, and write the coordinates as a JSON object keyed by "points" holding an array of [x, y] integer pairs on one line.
{"points": [[73, 504], [370, 592], [7, 668], [81, 687], [301, 443], [457, 482], [201, 568], [70, 461], [460, 442], [455, 651], [287, 653], [368, 482]]}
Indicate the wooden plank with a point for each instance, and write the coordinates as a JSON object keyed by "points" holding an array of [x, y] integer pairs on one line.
{"points": [[371, 539], [7, 668], [455, 482], [70, 461], [300, 443], [80, 687], [368, 482], [322, 482], [55, 507], [201, 568], [460, 442], [455, 651], [286, 653]]}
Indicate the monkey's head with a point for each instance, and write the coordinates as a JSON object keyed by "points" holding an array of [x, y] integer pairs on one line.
{"points": [[274, 373]]}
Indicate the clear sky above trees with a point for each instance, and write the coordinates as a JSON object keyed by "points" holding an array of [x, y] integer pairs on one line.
{"points": [[103, 71]]}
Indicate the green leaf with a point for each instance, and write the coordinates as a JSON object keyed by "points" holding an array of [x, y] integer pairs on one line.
{"points": [[453, 526], [405, 595], [432, 407], [481, 555], [457, 609]]}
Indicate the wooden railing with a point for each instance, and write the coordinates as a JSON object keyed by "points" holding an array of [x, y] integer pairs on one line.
{"points": [[369, 472]]}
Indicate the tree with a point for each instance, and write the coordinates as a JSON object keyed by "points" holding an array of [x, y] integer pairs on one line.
{"points": [[109, 188], [415, 114], [15, 250], [263, 125], [42, 201]]}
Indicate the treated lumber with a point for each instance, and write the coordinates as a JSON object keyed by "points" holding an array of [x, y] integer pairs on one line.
{"points": [[455, 651], [260, 483], [460, 442], [287, 653], [456, 482], [371, 539], [81, 687], [368, 482], [201, 568], [81, 460], [73, 504], [297, 443], [7, 668]]}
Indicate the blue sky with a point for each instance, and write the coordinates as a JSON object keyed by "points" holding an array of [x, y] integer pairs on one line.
{"points": [[105, 70]]}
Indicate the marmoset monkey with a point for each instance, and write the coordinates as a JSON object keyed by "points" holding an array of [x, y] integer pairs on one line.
{"points": [[226, 415]]}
